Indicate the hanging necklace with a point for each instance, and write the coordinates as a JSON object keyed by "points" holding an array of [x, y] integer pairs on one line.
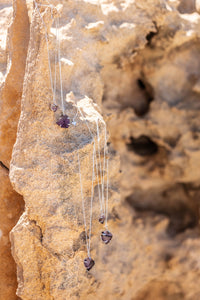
{"points": [[106, 235], [101, 169], [63, 121], [88, 262]]}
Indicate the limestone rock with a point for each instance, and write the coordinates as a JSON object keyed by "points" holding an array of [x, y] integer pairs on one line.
{"points": [[10, 209], [13, 48], [11, 89], [198, 5], [5, 15], [134, 64]]}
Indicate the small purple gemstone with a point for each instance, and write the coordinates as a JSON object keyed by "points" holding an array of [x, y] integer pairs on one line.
{"points": [[101, 219], [53, 107], [106, 236], [89, 263], [63, 122]]}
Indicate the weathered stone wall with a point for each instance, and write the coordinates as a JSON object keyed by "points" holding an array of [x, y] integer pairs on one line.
{"points": [[139, 62], [14, 37]]}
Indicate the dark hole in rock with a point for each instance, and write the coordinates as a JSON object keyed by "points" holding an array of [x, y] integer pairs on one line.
{"points": [[104, 98], [149, 37], [195, 136], [182, 220], [168, 257], [182, 216], [145, 86], [142, 107], [141, 84], [142, 146]]}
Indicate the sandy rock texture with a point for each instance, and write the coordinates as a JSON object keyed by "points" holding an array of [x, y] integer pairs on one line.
{"points": [[136, 66], [10, 211], [13, 48]]}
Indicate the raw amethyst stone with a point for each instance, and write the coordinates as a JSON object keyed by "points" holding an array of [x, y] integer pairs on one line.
{"points": [[106, 236], [63, 122], [53, 107], [101, 219], [89, 263]]}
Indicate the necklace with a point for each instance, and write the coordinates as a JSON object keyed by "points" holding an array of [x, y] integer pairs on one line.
{"points": [[99, 169]]}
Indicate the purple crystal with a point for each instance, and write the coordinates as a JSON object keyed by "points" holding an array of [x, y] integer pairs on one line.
{"points": [[89, 263], [63, 122], [101, 219], [53, 107], [106, 236]]}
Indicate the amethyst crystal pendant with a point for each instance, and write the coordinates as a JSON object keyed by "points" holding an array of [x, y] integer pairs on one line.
{"points": [[89, 263], [106, 236], [53, 107], [63, 122], [101, 219]]}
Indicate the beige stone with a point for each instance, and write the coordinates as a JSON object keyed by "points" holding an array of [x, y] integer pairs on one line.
{"points": [[14, 36], [11, 89], [131, 63], [198, 5], [10, 210]]}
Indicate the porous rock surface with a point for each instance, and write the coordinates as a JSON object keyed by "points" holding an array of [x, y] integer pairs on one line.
{"points": [[137, 65], [10, 210], [13, 49]]}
